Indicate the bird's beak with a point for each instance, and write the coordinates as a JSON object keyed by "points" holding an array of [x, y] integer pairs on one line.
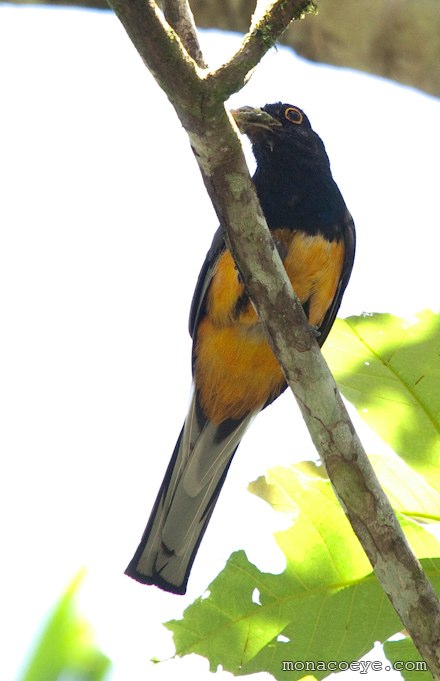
{"points": [[250, 120]]}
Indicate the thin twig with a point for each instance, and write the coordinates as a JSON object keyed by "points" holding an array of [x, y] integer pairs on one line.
{"points": [[263, 34], [179, 15]]}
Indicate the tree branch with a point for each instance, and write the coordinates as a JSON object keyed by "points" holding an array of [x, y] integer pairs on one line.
{"points": [[179, 16], [218, 151], [263, 34], [161, 50]]}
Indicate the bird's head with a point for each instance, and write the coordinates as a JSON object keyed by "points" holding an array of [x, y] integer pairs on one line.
{"points": [[281, 130]]}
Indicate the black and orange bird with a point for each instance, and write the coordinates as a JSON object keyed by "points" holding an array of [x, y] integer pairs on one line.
{"points": [[235, 372]]}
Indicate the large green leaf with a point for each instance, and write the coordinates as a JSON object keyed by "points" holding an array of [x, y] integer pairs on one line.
{"points": [[326, 605], [390, 370], [408, 492], [67, 648]]}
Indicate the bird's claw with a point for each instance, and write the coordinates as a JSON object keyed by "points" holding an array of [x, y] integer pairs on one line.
{"points": [[314, 330]]}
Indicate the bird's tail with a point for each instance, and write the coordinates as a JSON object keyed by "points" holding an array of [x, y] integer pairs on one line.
{"points": [[186, 499]]}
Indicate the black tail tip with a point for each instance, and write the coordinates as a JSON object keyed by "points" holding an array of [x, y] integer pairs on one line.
{"points": [[156, 580]]}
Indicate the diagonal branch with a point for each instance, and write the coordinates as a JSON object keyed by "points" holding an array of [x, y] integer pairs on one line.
{"points": [[161, 50], [224, 171], [179, 16], [263, 35]]}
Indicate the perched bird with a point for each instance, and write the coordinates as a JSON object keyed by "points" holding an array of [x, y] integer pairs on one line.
{"points": [[235, 372]]}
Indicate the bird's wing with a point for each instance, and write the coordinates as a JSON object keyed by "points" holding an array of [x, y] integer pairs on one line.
{"points": [[194, 476], [349, 236], [204, 280]]}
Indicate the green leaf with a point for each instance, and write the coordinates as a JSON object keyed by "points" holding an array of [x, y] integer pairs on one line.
{"points": [[405, 658], [407, 490], [390, 370], [326, 605], [66, 647]]}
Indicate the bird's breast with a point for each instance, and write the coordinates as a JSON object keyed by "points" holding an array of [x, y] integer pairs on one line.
{"points": [[314, 266], [235, 369]]}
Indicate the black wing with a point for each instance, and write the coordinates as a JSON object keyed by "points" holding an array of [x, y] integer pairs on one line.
{"points": [[204, 280]]}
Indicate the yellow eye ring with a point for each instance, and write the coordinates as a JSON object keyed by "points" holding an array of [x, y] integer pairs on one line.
{"points": [[294, 115]]}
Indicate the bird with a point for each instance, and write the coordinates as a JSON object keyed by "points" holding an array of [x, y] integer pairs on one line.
{"points": [[235, 373]]}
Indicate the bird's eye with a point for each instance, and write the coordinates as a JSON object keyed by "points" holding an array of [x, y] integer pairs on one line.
{"points": [[293, 115]]}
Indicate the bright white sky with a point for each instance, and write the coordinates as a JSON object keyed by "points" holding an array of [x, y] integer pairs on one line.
{"points": [[101, 200]]}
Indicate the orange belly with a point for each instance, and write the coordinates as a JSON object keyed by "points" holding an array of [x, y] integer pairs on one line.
{"points": [[235, 369]]}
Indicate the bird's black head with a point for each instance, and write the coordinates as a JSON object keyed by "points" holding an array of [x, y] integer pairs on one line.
{"points": [[283, 131], [293, 177]]}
